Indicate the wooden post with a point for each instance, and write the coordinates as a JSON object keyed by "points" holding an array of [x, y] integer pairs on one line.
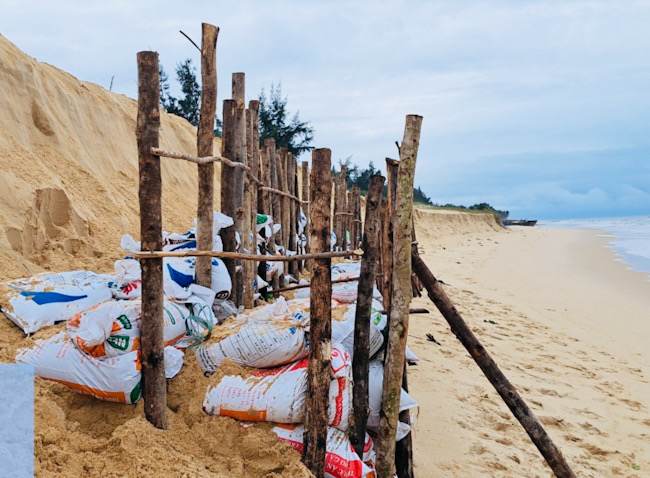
{"points": [[293, 211], [320, 331], [228, 187], [249, 240], [154, 385], [361, 357], [286, 202], [392, 167], [356, 217], [242, 225], [340, 208], [204, 148], [305, 203], [267, 150], [509, 394], [276, 202], [349, 219], [401, 298], [404, 447]]}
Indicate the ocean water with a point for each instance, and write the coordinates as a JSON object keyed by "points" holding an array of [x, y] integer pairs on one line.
{"points": [[628, 236]]}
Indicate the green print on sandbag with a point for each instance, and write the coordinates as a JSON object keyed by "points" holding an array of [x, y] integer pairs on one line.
{"points": [[119, 342]]}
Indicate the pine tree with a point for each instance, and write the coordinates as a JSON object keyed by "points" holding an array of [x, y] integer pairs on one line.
{"points": [[295, 135]]}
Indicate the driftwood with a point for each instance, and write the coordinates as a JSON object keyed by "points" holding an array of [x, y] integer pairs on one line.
{"points": [[247, 257], [320, 331], [154, 385], [401, 298], [370, 245], [204, 143], [509, 394]]}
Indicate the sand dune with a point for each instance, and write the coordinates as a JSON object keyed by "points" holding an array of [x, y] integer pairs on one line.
{"points": [[69, 169]]}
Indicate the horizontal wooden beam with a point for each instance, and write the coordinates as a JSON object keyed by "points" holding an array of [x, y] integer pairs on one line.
{"points": [[304, 286], [245, 257]]}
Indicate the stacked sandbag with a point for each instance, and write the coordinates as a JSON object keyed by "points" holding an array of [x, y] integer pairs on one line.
{"points": [[341, 461], [279, 395], [113, 328], [178, 275], [114, 379], [48, 298], [266, 337], [375, 389]]}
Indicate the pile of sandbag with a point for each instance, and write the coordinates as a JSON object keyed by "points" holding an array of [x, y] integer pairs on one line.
{"points": [[98, 354], [273, 340]]}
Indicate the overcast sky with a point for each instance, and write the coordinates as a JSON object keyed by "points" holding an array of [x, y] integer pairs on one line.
{"points": [[538, 107]]}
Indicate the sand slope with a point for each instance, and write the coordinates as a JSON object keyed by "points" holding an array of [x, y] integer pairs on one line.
{"points": [[69, 169]]}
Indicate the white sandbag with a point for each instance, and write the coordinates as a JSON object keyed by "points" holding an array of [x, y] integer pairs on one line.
{"points": [[344, 270], [115, 379], [341, 461], [410, 356], [127, 283], [375, 386], [343, 331], [178, 275], [113, 327], [48, 298], [258, 343], [279, 395]]}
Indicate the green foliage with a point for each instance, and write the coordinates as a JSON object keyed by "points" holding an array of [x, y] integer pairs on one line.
{"points": [[420, 197], [295, 135], [484, 207], [189, 105]]}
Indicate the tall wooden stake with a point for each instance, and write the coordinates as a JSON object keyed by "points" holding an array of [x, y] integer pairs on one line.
{"points": [[361, 358], [250, 199], [228, 178], [340, 208], [154, 385], [305, 203], [390, 215], [509, 394], [320, 332], [401, 298], [293, 211], [204, 143]]}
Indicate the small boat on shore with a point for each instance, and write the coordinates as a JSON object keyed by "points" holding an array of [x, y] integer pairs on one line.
{"points": [[519, 222]]}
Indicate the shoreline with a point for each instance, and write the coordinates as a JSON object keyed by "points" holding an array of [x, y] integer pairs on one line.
{"points": [[565, 321]]}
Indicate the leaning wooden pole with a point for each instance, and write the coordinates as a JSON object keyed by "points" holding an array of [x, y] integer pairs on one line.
{"points": [[154, 385], [401, 299], [320, 331], [509, 394], [360, 361], [204, 147]]}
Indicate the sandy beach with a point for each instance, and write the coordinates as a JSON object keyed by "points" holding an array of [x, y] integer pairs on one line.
{"points": [[567, 324]]}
